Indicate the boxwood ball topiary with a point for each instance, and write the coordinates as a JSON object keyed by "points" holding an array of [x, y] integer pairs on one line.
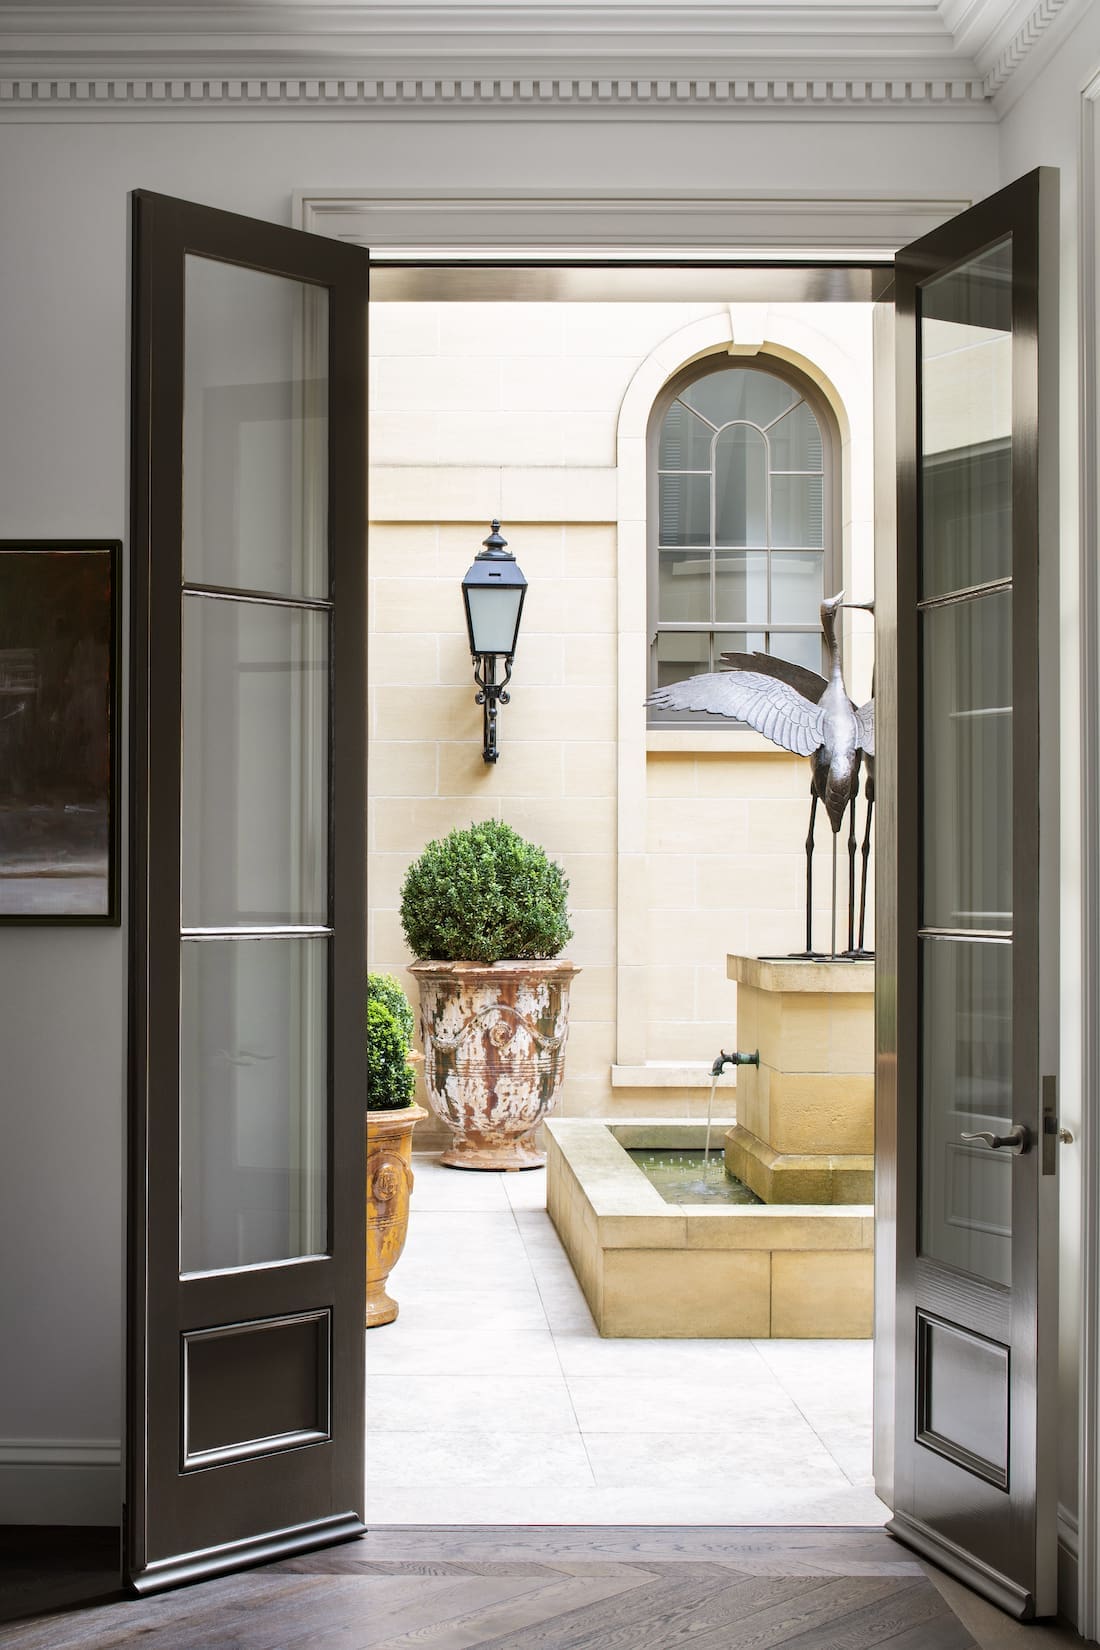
{"points": [[484, 894], [390, 1080], [384, 988]]}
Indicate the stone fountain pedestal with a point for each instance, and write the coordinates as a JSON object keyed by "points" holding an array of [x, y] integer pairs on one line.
{"points": [[805, 1130]]}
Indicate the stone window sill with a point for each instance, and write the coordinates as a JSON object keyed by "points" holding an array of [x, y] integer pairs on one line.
{"points": [[711, 741]]}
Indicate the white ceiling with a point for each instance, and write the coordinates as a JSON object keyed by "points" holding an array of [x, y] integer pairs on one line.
{"points": [[981, 45]]}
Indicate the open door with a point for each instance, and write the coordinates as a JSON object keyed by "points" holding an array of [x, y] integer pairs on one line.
{"points": [[248, 1081], [975, 992]]}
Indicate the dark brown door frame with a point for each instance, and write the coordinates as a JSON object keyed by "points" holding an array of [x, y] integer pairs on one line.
{"points": [[144, 488], [182, 1526], [1001, 1547]]}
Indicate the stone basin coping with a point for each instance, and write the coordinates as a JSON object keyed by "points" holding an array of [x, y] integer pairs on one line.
{"points": [[623, 1210], [796, 974]]}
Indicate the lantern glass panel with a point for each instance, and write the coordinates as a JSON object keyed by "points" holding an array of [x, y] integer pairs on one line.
{"points": [[493, 616]]}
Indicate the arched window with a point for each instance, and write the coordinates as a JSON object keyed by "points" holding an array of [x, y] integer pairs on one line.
{"points": [[741, 503]]}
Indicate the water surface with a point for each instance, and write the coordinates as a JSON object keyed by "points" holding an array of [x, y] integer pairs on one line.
{"points": [[682, 1177]]}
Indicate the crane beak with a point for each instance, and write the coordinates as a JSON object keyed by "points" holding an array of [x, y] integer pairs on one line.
{"points": [[862, 607]]}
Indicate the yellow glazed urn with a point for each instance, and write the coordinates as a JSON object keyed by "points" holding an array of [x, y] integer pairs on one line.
{"points": [[389, 1182]]}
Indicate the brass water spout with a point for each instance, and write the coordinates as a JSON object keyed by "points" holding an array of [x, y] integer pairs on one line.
{"points": [[723, 1059]]}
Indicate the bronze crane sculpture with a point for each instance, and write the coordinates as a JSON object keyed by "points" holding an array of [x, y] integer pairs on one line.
{"points": [[812, 686], [801, 712]]}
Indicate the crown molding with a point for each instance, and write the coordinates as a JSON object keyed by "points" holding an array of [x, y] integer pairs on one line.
{"points": [[618, 26], [474, 96], [972, 23], [717, 55], [1016, 53]]}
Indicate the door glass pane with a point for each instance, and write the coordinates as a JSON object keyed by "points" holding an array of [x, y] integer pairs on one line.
{"points": [[798, 585], [684, 509], [741, 586], [798, 510], [255, 439], [740, 486], [685, 440], [683, 590], [966, 424], [253, 1101], [966, 1087], [681, 655], [255, 767], [966, 671]]}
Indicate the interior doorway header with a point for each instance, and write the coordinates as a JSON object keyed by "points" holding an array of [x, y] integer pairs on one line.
{"points": [[631, 281], [688, 226]]}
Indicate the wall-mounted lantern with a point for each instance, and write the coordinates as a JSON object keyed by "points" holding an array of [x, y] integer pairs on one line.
{"points": [[493, 591]]}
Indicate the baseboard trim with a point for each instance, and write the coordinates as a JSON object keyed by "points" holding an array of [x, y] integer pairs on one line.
{"points": [[1069, 1548], [60, 1481]]}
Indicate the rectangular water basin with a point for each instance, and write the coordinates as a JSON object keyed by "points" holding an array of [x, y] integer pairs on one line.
{"points": [[690, 1175], [659, 1269]]}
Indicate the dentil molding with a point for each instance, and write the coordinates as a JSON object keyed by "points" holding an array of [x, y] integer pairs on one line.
{"points": [[522, 95], [520, 57]]}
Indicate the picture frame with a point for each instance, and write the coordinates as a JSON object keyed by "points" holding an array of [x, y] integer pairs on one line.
{"points": [[60, 706]]}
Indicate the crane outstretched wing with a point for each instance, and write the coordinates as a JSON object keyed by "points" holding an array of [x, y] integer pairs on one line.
{"points": [[772, 707], [865, 716], [800, 677]]}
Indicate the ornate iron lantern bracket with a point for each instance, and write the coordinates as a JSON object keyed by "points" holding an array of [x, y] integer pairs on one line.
{"points": [[490, 694]]}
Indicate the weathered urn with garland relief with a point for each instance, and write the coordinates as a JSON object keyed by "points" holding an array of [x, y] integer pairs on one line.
{"points": [[494, 1051], [485, 911], [391, 1117]]}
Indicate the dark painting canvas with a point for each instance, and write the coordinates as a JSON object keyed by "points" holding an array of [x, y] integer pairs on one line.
{"points": [[57, 733]]}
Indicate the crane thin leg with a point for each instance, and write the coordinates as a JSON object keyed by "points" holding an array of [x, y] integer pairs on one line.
{"points": [[810, 875], [852, 870], [866, 857]]}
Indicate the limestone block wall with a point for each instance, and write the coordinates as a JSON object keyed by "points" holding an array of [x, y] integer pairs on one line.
{"points": [[680, 844], [555, 780]]}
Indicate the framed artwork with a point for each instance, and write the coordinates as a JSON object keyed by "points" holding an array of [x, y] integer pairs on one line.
{"points": [[59, 730]]}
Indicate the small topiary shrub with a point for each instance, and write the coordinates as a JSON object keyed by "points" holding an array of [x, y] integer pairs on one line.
{"points": [[482, 895], [390, 1080], [383, 988]]}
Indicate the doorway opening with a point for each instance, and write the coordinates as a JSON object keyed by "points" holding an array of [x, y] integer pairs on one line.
{"points": [[732, 1382]]}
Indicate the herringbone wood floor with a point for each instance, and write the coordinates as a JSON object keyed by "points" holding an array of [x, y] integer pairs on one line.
{"points": [[543, 1589]]}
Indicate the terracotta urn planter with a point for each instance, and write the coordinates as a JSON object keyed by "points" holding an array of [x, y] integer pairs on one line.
{"points": [[494, 1055], [389, 1182]]}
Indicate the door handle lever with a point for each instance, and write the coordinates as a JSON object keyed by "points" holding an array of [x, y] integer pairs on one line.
{"points": [[1017, 1140]]}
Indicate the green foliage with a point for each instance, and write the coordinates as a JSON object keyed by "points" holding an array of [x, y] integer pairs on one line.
{"points": [[390, 1080], [484, 894], [383, 988]]}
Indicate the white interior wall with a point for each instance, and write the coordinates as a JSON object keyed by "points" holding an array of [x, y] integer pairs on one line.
{"points": [[1044, 127], [63, 471]]}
